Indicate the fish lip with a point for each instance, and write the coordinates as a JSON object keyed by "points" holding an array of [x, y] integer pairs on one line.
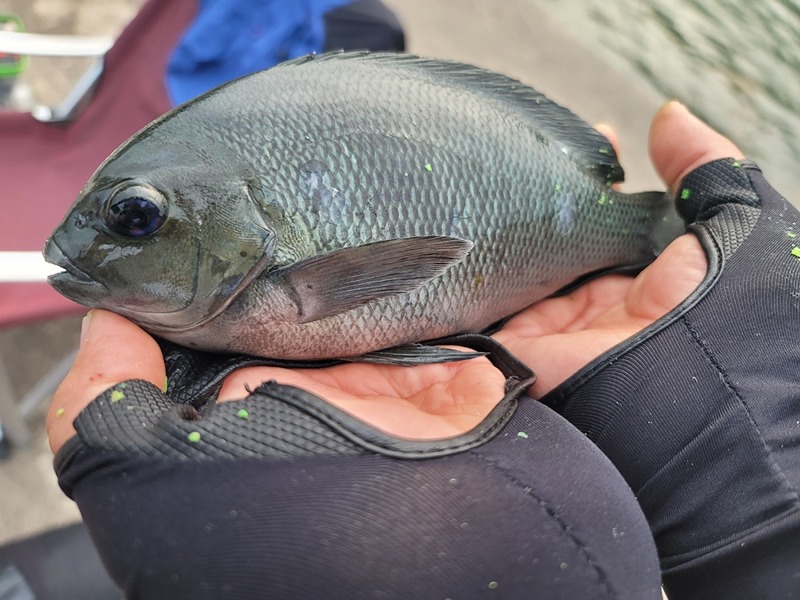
{"points": [[71, 274]]}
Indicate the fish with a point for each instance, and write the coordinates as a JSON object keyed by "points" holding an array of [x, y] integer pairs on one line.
{"points": [[348, 204]]}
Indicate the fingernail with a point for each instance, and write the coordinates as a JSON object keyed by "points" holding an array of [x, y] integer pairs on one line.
{"points": [[85, 324], [674, 104]]}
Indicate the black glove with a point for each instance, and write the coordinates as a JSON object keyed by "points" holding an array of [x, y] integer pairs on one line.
{"points": [[283, 495], [701, 411]]}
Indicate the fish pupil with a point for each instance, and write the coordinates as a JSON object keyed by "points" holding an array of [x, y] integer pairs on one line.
{"points": [[135, 216]]}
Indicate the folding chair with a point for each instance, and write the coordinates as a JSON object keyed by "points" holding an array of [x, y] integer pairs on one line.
{"points": [[44, 163]]}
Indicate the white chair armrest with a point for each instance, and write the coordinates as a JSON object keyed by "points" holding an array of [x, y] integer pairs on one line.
{"points": [[40, 44], [18, 267]]}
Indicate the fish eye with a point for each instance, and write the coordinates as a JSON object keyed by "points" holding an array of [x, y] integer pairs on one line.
{"points": [[135, 211]]}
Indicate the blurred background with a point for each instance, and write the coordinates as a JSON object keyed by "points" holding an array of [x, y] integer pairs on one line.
{"points": [[735, 64]]}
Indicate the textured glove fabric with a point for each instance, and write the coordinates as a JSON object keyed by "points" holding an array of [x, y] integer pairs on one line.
{"points": [[701, 412], [281, 495]]}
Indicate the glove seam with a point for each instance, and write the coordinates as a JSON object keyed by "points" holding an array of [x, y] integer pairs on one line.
{"points": [[716, 363], [583, 550]]}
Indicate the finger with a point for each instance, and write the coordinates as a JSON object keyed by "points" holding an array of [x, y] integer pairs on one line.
{"points": [[667, 282], [680, 142], [112, 350]]}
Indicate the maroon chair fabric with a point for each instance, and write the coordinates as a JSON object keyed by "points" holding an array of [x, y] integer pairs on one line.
{"points": [[44, 165]]}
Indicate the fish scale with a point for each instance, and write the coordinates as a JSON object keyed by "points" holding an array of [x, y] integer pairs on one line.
{"points": [[351, 203]]}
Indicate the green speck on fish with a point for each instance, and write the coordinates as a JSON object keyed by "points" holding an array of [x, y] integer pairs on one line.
{"points": [[194, 437], [116, 396], [685, 194], [796, 251], [493, 585], [166, 384], [603, 199], [243, 414], [791, 234], [736, 164], [523, 435], [428, 167], [604, 150]]}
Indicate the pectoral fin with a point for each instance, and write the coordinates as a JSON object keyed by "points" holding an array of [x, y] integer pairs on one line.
{"points": [[340, 280]]}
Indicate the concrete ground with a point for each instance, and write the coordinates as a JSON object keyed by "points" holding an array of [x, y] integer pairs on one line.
{"points": [[513, 37]]}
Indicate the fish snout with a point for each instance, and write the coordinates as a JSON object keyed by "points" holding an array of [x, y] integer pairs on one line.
{"points": [[72, 282]]}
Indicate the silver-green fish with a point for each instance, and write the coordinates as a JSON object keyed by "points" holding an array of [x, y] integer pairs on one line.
{"points": [[342, 204]]}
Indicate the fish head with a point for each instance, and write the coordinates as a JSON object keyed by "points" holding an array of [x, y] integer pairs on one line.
{"points": [[166, 244]]}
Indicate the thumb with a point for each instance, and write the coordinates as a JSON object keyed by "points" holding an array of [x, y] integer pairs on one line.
{"points": [[680, 142], [112, 350]]}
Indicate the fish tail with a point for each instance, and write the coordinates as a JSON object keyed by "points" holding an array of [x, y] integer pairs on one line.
{"points": [[667, 224]]}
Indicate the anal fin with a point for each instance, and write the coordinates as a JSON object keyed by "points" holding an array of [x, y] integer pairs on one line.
{"points": [[409, 355]]}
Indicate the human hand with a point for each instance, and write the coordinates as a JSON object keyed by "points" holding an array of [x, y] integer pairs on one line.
{"points": [[555, 337]]}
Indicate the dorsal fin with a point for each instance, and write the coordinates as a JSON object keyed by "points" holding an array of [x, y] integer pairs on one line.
{"points": [[560, 125]]}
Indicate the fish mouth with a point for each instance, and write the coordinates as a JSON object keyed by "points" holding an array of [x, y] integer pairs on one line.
{"points": [[72, 281]]}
